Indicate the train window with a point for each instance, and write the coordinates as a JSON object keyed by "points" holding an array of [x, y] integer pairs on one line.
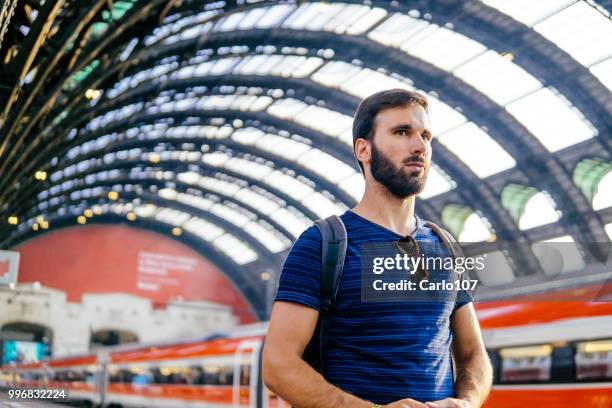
{"points": [[29, 376], [218, 374], [226, 375], [245, 374], [113, 374], [526, 364], [141, 375], [75, 375], [195, 375], [6, 378], [175, 375], [119, 375], [594, 360]]}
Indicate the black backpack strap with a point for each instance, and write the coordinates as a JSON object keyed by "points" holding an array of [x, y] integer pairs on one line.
{"points": [[447, 239], [333, 252], [456, 251]]}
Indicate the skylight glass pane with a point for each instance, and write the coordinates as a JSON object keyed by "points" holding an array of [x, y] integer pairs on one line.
{"points": [[223, 66], [252, 18], [230, 215], [286, 108], [321, 205], [366, 82], [248, 168], [442, 116], [558, 255], [257, 201], [485, 160], [188, 177], [354, 186], [295, 225], [446, 49], [581, 31], [609, 230], [230, 22], [551, 120], [193, 32], [324, 120], [220, 186], [282, 146], [216, 159], [266, 238], [326, 11], [306, 68], [474, 230], [145, 211], [195, 201], [289, 185], [484, 73], [287, 65], [268, 63], [603, 197], [397, 29], [354, 19], [249, 64], [167, 193], [437, 183], [275, 16], [238, 251], [247, 136], [498, 270], [312, 16], [539, 210], [334, 73], [253, 103], [528, 12], [172, 217], [203, 229], [203, 69], [603, 71], [326, 165]]}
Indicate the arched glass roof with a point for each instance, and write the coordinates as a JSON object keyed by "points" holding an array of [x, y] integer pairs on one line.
{"points": [[232, 122]]}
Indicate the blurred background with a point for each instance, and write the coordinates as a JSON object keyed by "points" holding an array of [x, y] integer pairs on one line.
{"points": [[158, 158]]}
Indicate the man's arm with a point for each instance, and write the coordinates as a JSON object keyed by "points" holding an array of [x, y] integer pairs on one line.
{"points": [[284, 370], [474, 372], [290, 377]]}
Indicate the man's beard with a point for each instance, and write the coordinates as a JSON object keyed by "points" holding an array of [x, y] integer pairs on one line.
{"points": [[399, 182]]}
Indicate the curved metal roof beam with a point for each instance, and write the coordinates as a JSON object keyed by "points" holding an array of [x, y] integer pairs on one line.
{"points": [[179, 186], [204, 170], [515, 139]]}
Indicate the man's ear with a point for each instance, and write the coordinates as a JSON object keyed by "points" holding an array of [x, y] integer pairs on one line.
{"points": [[363, 150]]}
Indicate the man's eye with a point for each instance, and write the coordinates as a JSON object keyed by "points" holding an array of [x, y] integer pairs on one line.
{"points": [[401, 132], [426, 136]]}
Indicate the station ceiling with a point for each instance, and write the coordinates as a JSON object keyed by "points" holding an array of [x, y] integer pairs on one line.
{"points": [[227, 124]]}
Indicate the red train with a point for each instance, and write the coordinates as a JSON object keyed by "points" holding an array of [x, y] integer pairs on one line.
{"points": [[545, 354]]}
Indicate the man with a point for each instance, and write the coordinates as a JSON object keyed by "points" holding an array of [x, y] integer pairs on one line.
{"points": [[393, 353]]}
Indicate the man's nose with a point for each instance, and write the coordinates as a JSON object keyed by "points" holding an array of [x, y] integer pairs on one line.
{"points": [[418, 146]]}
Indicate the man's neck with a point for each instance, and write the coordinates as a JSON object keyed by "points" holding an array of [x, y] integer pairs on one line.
{"points": [[383, 208]]}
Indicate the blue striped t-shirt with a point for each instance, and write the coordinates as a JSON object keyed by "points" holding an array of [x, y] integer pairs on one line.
{"points": [[378, 351]]}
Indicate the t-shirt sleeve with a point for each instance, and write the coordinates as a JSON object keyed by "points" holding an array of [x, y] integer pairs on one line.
{"points": [[464, 296], [300, 279]]}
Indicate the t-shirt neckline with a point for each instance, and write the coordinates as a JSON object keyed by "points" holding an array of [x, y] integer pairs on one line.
{"points": [[418, 224]]}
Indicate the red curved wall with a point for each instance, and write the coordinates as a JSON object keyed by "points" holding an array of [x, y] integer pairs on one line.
{"points": [[111, 259]]}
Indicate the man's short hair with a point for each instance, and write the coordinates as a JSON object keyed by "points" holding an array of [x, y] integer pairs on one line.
{"points": [[364, 121]]}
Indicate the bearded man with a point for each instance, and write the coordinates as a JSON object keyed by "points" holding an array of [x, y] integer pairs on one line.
{"points": [[393, 354]]}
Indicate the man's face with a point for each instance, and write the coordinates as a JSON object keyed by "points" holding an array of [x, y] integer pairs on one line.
{"points": [[401, 150]]}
